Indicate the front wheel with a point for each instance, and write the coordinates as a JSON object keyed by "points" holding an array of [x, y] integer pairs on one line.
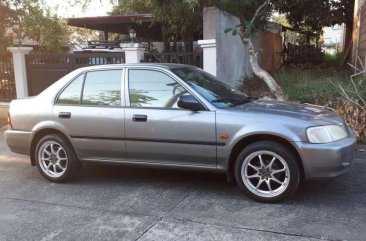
{"points": [[55, 158], [267, 171]]}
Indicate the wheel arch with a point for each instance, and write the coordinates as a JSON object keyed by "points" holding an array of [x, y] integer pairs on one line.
{"points": [[39, 134], [242, 143]]}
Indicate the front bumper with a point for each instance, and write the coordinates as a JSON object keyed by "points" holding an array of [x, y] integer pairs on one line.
{"points": [[19, 141], [327, 160]]}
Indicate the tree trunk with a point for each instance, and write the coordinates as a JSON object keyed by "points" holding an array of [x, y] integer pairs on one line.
{"points": [[166, 41], [188, 42], [347, 41], [261, 73]]}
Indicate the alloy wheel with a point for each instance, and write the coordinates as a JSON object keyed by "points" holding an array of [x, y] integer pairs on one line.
{"points": [[265, 174], [52, 159]]}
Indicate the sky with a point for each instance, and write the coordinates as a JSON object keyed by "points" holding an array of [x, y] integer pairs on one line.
{"points": [[64, 8]]}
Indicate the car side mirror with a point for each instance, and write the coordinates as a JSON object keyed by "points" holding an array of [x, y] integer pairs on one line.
{"points": [[189, 102]]}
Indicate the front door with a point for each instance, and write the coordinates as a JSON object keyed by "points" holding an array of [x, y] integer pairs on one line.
{"points": [[90, 110], [158, 131]]}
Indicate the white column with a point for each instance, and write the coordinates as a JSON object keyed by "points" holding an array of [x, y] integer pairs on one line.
{"points": [[209, 55], [20, 73], [134, 52]]}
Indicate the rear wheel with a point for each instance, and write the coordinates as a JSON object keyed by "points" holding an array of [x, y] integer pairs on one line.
{"points": [[267, 171], [55, 158]]}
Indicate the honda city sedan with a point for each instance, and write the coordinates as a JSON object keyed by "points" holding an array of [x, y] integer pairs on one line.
{"points": [[180, 117]]}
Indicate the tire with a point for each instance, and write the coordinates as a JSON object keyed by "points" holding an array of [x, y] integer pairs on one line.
{"points": [[267, 171], [56, 159]]}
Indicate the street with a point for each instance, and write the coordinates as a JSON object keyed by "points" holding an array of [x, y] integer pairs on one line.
{"points": [[123, 203]]}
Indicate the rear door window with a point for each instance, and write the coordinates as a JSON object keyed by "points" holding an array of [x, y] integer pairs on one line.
{"points": [[71, 94], [102, 88]]}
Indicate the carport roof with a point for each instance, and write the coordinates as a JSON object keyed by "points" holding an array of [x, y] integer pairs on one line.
{"points": [[144, 25]]}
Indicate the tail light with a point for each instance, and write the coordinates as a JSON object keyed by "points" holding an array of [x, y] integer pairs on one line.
{"points": [[9, 122]]}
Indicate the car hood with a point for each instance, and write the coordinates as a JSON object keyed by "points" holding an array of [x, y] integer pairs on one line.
{"points": [[313, 113]]}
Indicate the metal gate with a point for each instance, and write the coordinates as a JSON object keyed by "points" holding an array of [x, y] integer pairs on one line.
{"points": [[45, 69], [7, 80], [195, 59]]}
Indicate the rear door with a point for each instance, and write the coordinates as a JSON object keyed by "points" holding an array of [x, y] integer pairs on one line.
{"points": [[158, 131], [90, 110]]}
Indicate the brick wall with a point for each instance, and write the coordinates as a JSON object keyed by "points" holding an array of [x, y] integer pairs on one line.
{"points": [[362, 34], [359, 31]]}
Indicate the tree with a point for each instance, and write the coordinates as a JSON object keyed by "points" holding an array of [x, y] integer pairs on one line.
{"points": [[310, 15], [305, 14], [50, 32], [281, 19], [31, 19], [253, 15], [132, 6], [5, 16], [313, 15], [180, 19], [344, 10]]}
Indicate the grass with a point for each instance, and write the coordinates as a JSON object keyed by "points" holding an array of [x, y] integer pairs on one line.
{"points": [[332, 58], [315, 86], [304, 85]]}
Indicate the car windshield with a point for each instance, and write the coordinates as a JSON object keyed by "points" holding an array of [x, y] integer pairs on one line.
{"points": [[209, 87]]}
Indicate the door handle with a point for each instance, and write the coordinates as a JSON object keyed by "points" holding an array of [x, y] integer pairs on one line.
{"points": [[139, 118], [64, 115]]}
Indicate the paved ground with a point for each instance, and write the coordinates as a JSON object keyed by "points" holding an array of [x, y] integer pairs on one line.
{"points": [[120, 203]]}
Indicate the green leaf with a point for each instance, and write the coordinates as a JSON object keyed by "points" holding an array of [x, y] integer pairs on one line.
{"points": [[228, 30]]}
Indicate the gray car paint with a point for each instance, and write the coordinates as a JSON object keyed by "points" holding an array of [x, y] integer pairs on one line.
{"points": [[284, 120]]}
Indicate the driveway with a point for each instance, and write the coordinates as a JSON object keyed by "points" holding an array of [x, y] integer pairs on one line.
{"points": [[124, 203]]}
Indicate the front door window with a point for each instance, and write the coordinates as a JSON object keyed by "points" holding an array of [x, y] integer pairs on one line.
{"points": [[153, 89]]}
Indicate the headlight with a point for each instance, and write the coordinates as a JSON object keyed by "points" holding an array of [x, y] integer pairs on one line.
{"points": [[325, 134]]}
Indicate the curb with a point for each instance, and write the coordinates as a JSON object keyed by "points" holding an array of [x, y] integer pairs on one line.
{"points": [[4, 104], [4, 108], [3, 128]]}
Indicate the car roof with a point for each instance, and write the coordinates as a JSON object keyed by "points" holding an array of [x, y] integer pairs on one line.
{"points": [[158, 65]]}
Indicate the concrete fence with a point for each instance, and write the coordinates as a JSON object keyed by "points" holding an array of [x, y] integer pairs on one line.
{"points": [[134, 53]]}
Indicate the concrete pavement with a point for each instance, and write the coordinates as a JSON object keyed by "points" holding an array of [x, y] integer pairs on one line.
{"points": [[124, 203]]}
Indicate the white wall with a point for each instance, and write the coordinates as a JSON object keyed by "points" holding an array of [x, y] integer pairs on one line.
{"points": [[334, 36], [232, 57]]}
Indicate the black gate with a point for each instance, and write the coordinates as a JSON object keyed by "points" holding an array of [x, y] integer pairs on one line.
{"points": [[7, 80], [193, 58], [301, 54], [45, 69]]}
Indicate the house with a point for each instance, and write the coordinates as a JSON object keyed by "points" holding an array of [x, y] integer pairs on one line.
{"points": [[334, 38], [359, 32], [151, 32]]}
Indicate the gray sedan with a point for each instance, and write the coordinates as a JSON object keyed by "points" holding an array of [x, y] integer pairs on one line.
{"points": [[177, 116]]}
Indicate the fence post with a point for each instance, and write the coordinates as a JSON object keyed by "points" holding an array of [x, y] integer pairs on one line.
{"points": [[134, 52], [209, 55], [20, 71]]}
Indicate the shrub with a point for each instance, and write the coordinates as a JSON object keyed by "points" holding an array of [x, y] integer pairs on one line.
{"points": [[333, 58]]}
